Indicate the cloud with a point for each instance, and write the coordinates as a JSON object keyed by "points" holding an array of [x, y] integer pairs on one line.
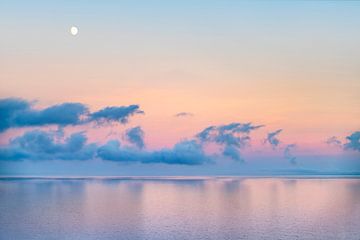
{"points": [[233, 153], [233, 134], [231, 137], [19, 113], [238, 127], [334, 141], [15, 113], [187, 152], [184, 114], [46, 145], [288, 153], [9, 109], [205, 134], [113, 151], [53, 145], [272, 138], [116, 114], [13, 154], [353, 142], [136, 136], [42, 145]]}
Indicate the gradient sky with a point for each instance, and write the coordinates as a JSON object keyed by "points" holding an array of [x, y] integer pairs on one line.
{"points": [[288, 65]]}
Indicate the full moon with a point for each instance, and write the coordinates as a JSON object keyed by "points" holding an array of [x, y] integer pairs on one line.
{"points": [[74, 30]]}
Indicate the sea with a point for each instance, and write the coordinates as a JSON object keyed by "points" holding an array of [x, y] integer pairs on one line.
{"points": [[281, 207]]}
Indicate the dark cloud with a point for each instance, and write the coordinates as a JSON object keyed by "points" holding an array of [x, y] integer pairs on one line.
{"points": [[272, 138], [288, 153], [184, 114], [16, 113], [353, 142], [136, 136]]}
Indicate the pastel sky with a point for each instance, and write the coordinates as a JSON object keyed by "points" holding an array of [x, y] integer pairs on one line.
{"points": [[290, 65]]}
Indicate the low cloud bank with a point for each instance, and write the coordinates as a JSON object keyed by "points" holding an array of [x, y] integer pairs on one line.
{"points": [[50, 145], [185, 153], [229, 139], [46, 145], [42, 145]]}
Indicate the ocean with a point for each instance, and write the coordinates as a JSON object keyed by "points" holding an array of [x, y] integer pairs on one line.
{"points": [[180, 208]]}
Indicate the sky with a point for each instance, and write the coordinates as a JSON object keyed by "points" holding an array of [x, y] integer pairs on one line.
{"points": [[133, 92]]}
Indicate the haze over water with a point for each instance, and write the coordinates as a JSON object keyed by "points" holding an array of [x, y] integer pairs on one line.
{"points": [[180, 208]]}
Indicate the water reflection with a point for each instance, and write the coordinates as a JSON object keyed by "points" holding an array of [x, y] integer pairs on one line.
{"points": [[211, 208]]}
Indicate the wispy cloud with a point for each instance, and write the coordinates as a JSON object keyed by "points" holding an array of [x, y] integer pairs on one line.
{"points": [[272, 138], [274, 141], [334, 141], [184, 114], [288, 153]]}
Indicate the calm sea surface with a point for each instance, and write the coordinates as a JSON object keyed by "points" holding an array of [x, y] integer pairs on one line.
{"points": [[180, 208]]}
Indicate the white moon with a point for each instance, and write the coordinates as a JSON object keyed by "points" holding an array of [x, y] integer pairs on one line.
{"points": [[74, 30]]}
